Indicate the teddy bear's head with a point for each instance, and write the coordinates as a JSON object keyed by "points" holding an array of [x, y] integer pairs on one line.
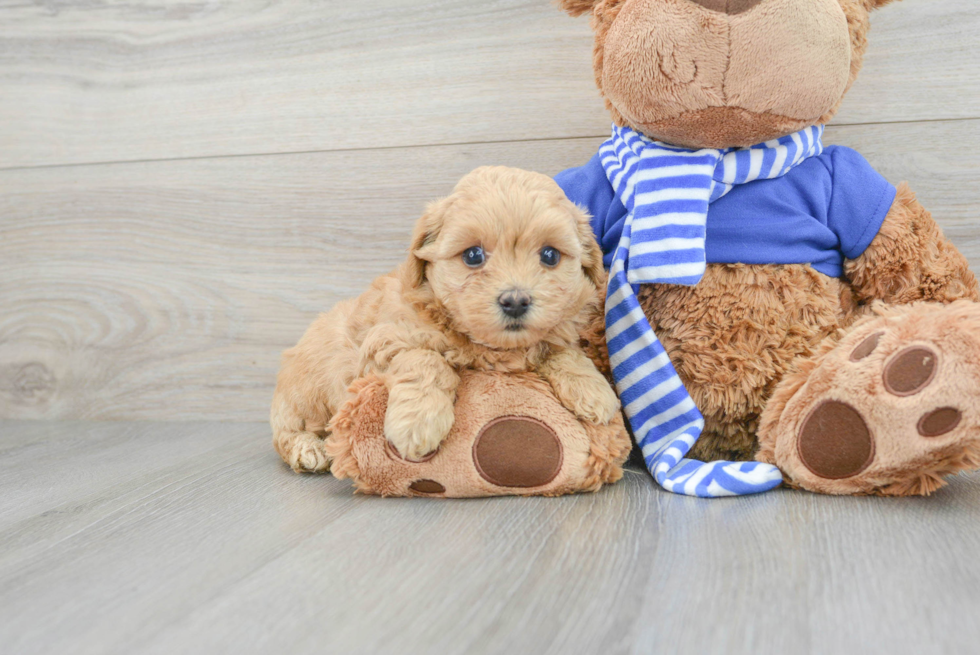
{"points": [[725, 73]]}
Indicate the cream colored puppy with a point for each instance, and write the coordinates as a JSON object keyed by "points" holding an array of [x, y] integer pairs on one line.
{"points": [[501, 275]]}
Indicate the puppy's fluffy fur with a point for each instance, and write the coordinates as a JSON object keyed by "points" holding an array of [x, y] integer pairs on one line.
{"points": [[436, 315]]}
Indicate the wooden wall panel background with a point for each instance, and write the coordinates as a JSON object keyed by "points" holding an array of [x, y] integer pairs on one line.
{"points": [[127, 80], [184, 186]]}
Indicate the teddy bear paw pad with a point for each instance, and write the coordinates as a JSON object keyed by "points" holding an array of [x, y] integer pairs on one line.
{"points": [[517, 451], [891, 410], [835, 442], [393, 453]]}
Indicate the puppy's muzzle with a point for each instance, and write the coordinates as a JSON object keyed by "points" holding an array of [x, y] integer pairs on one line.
{"points": [[514, 303]]}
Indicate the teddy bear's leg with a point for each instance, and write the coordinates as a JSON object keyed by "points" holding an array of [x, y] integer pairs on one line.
{"points": [[893, 407], [511, 436], [890, 409]]}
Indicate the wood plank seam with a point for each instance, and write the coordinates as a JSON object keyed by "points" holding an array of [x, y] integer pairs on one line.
{"points": [[286, 153]]}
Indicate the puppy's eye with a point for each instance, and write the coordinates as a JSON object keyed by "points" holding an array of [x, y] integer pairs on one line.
{"points": [[550, 257], [474, 257]]}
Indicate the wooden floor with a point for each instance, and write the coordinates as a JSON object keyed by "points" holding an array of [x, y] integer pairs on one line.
{"points": [[194, 538]]}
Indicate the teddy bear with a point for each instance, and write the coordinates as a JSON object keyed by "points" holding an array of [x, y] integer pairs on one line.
{"points": [[772, 301]]}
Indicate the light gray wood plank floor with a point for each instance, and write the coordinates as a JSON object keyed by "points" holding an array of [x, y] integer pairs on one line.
{"points": [[194, 538]]}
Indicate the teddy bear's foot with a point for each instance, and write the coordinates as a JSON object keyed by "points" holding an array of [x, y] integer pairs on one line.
{"points": [[891, 409], [510, 437]]}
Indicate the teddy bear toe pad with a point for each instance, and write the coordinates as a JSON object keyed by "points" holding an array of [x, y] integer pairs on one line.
{"points": [[427, 487], [890, 410], [910, 371], [939, 422]]}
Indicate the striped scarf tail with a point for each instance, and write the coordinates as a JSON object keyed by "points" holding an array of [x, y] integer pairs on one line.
{"points": [[664, 418]]}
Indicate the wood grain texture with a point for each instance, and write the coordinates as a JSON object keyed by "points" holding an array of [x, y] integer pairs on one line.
{"points": [[194, 538], [123, 81], [167, 290]]}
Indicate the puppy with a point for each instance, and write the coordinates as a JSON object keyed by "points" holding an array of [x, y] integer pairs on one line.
{"points": [[501, 275]]}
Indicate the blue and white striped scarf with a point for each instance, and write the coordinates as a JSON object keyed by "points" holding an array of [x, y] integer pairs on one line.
{"points": [[666, 192]]}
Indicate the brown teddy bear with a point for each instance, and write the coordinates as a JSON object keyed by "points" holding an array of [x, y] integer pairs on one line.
{"points": [[816, 315]]}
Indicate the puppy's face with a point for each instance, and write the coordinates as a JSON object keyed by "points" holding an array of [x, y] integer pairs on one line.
{"points": [[508, 257]]}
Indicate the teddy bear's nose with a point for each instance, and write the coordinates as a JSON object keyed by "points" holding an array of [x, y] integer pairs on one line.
{"points": [[730, 7]]}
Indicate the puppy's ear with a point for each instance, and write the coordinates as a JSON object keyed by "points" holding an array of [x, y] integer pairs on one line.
{"points": [[874, 4], [577, 7], [591, 252], [422, 250]]}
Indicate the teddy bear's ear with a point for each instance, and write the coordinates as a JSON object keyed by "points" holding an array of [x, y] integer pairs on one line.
{"points": [[577, 7], [424, 238]]}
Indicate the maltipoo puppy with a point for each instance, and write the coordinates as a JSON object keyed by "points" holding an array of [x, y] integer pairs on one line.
{"points": [[501, 275]]}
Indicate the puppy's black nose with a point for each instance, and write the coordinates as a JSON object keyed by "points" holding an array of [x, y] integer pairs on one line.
{"points": [[514, 303]]}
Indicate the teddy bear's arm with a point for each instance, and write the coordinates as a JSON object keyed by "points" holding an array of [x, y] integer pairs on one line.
{"points": [[911, 260]]}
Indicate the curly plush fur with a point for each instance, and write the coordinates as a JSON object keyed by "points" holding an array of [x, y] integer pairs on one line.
{"points": [[746, 340]]}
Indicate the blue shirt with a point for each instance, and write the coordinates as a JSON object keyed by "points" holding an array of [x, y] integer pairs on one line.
{"points": [[827, 209]]}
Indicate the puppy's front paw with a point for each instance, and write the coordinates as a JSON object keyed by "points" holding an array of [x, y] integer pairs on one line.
{"points": [[588, 397], [417, 423]]}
